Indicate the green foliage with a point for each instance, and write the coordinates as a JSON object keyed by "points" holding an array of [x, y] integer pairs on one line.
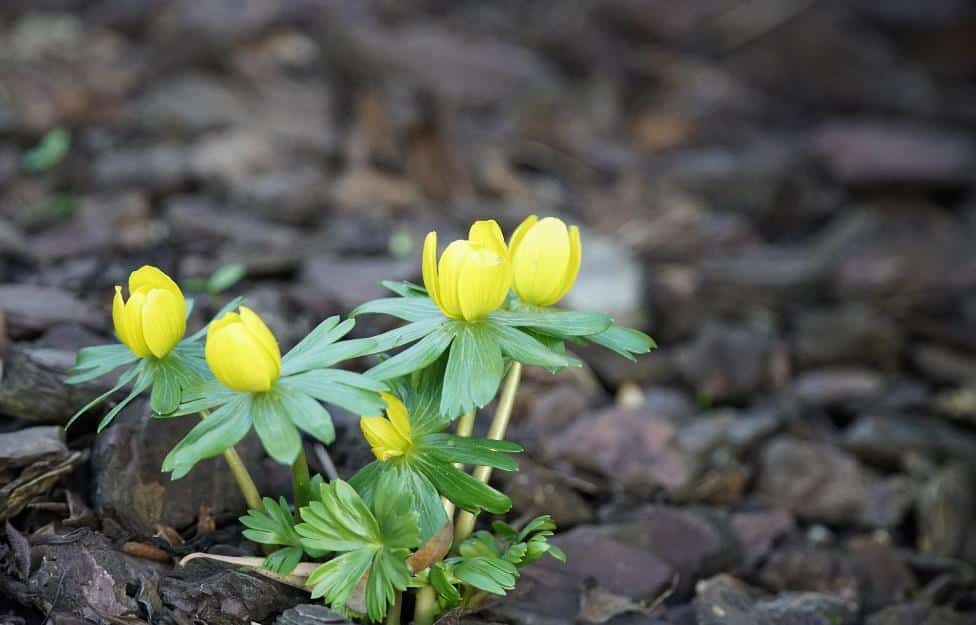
{"points": [[275, 526], [49, 152], [490, 561], [370, 542]]}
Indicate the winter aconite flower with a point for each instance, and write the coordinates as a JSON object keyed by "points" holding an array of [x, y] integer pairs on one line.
{"points": [[388, 436], [545, 257], [153, 320], [242, 352], [473, 276]]}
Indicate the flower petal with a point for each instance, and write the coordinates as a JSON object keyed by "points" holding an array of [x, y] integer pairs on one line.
{"points": [[575, 260], [540, 263], [383, 438], [483, 284], [397, 412], [151, 277], [519, 234], [487, 233], [238, 360], [163, 321], [132, 320], [429, 265], [118, 315], [259, 330], [449, 270]]}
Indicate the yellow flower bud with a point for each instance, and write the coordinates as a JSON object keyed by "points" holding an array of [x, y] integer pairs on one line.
{"points": [[242, 352], [473, 276], [153, 320], [388, 436], [546, 258]]}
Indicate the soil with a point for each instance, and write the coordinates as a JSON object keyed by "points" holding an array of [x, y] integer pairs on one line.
{"points": [[781, 193]]}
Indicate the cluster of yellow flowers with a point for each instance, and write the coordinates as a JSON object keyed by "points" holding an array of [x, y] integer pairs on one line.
{"points": [[474, 275], [471, 279]]}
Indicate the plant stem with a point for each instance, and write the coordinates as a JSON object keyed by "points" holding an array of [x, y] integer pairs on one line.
{"points": [[464, 428], [300, 479], [499, 424], [425, 607], [393, 616], [244, 481]]}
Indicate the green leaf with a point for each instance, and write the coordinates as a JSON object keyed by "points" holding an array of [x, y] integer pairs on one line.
{"points": [[284, 560], [624, 341], [527, 350], [143, 381], [225, 277], [465, 491], [94, 362], [325, 385], [474, 451], [273, 526], [319, 348], [376, 541], [405, 288], [339, 521], [474, 370], [50, 151], [335, 580], [542, 523], [445, 589], [406, 308], [425, 498], [203, 395], [493, 575], [308, 414], [278, 434], [398, 337], [566, 322], [416, 356], [224, 428], [165, 395], [124, 379]]}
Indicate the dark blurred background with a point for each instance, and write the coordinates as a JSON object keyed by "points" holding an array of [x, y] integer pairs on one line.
{"points": [[779, 191]]}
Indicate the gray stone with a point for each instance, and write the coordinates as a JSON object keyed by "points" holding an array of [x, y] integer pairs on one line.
{"points": [[728, 361]]}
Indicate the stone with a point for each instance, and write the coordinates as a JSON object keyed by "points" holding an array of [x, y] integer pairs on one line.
{"points": [[918, 614], [807, 608], [695, 543], [549, 591], [130, 488], [758, 533], [32, 461], [944, 365], [875, 153], [945, 513], [536, 490], [725, 600], [728, 361], [864, 573], [29, 308], [82, 573], [815, 481], [848, 335], [158, 168], [888, 440], [339, 284], [311, 614], [216, 594], [827, 387], [612, 276], [631, 445]]}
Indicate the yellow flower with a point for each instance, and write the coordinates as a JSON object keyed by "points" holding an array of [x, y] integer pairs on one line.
{"points": [[546, 259], [473, 276], [153, 320], [388, 437], [242, 352]]}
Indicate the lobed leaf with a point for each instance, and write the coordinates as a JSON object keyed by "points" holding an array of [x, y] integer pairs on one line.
{"points": [[417, 356], [565, 322], [474, 451], [94, 362], [222, 429], [406, 308], [474, 370]]}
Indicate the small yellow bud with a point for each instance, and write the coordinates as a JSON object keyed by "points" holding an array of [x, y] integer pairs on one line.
{"points": [[473, 276], [388, 436], [242, 352], [546, 258], [153, 320]]}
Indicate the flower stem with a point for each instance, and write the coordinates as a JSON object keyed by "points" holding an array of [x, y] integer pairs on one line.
{"points": [[464, 428], [499, 424], [244, 481], [425, 607], [300, 479], [393, 616]]}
